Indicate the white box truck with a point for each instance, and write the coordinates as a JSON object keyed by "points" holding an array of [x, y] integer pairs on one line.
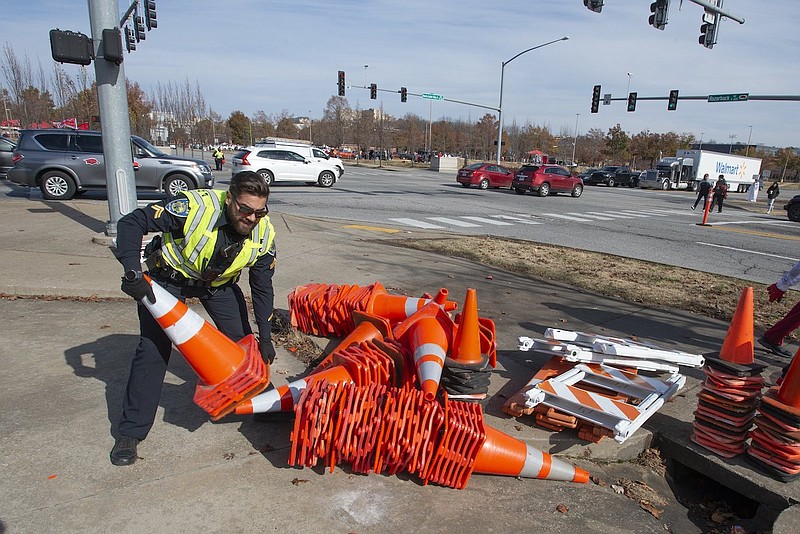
{"points": [[687, 167]]}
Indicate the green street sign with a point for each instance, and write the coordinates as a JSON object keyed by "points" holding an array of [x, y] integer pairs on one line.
{"points": [[734, 97], [432, 96]]}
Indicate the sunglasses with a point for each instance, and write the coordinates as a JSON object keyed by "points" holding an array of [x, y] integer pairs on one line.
{"points": [[247, 210]]}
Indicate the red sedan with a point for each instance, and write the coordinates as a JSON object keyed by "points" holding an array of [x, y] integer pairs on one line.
{"points": [[484, 175]]}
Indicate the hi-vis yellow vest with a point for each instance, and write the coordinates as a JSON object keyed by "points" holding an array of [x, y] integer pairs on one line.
{"points": [[191, 254]]}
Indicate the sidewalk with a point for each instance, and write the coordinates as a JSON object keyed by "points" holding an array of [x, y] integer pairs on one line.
{"points": [[63, 356]]}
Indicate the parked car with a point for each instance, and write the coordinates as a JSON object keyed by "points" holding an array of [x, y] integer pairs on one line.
{"points": [[614, 175], [7, 147], [545, 180], [484, 175], [793, 208], [282, 165], [63, 163], [305, 149], [585, 174]]}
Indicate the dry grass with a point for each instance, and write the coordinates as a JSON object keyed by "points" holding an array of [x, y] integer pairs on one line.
{"points": [[649, 284]]}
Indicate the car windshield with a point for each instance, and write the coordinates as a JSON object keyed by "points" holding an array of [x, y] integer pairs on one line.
{"points": [[148, 147]]}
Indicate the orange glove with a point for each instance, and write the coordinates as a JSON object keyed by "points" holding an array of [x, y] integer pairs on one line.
{"points": [[775, 294]]}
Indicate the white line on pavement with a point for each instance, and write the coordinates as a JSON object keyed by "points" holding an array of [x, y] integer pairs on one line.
{"points": [[614, 215], [516, 219], [418, 224], [487, 221], [568, 217], [454, 222], [748, 251], [597, 217]]}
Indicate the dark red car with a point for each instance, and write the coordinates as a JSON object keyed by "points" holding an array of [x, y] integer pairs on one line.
{"points": [[484, 175], [545, 180]]}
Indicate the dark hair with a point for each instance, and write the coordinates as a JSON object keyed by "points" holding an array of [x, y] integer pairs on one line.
{"points": [[250, 183]]}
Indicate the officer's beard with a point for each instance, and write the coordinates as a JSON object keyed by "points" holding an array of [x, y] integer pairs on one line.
{"points": [[242, 225]]}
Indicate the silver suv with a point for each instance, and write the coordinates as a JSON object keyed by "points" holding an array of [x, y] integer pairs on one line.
{"points": [[65, 162]]}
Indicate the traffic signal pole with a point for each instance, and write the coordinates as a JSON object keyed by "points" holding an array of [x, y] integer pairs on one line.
{"points": [[112, 98]]}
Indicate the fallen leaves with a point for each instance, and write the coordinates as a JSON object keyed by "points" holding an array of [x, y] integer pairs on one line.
{"points": [[298, 481]]}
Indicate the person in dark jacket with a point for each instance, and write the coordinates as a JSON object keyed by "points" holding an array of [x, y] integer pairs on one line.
{"points": [[208, 237], [772, 193], [702, 192], [720, 194]]}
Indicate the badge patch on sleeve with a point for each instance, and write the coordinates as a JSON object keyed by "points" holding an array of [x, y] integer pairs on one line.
{"points": [[178, 207]]}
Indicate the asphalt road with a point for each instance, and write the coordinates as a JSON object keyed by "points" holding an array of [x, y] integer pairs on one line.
{"points": [[650, 225]]}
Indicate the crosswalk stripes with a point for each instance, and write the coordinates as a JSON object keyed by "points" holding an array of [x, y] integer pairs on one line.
{"points": [[516, 219], [612, 215], [418, 224], [454, 222], [487, 221], [592, 216], [567, 217]]}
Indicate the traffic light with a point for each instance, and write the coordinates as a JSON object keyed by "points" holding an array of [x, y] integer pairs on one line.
{"points": [[373, 91], [403, 94], [150, 14], [595, 99], [673, 100], [138, 27], [341, 83], [632, 101], [659, 10], [130, 40], [594, 5], [708, 31]]}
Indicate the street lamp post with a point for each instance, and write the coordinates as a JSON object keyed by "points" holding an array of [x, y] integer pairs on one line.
{"points": [[747, 148], [730, 148], [365, 75], [575, 140], [630, 75], [500, 107], [701, 140]]}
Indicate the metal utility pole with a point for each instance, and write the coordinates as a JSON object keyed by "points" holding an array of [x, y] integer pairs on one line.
{"points": [[112, 98]]}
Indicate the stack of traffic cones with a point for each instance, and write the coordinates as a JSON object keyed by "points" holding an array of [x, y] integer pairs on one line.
{"points": [[230, 373], [775, 442], [729, 395], [396, 429]]}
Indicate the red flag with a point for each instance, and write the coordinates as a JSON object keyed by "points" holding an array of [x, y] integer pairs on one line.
{"points": [[70, 123], [83, 126]]}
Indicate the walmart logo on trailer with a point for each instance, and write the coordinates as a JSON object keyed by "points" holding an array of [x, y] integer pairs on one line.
{"points": [[727, 168]]}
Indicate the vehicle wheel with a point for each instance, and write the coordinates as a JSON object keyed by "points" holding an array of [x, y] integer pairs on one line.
{"points": [[794, 213], [465, 185], [177, 183], [631, 184], [483, 184], [326, 179], [519, 191], [611, 182], [57, 186], [577, 191], [664, 185], [267, 176], [544, 189]]}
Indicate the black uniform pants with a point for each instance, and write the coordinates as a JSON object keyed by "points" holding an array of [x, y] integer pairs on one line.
{"points": [[226, 307]]}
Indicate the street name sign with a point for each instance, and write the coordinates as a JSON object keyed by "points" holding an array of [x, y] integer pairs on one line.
{"points": [[733, 97], [432, 96]]}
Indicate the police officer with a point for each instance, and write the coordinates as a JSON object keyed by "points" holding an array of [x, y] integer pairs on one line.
{"points": [[208, 238]]}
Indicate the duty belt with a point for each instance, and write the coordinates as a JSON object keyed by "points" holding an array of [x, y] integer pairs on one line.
{"points": [[178, 278]]}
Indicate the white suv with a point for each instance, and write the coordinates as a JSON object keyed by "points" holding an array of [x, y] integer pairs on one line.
{"points": [[280, 165], [304, 148]]}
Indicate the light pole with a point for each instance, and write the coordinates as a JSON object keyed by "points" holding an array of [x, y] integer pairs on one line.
{"points": [[310, 125], [365, 75], [747, 148], [730, 148], [500, 107], [701, 140], [575, 140], [630, 75]]}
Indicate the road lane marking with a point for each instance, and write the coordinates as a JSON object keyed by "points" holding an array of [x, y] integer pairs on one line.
{"points": [[516, 219], [634, 214], [598, 217], [562, 216], [487, 221], [373, 228], [651, 213], [453, 222], [614, 215], [756, 232], [418, 224], [748, 251]]}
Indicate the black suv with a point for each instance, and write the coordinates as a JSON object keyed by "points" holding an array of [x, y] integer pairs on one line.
{"points": [[793, 208], [63, 163]]}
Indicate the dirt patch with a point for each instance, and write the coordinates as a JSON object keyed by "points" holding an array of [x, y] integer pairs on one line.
{"points": [[650, 284]]}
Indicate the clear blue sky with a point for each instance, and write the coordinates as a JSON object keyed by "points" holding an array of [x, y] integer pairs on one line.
{"points": [[274, 56]]}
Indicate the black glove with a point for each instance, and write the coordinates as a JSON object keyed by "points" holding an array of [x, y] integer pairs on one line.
{"points": [[267, 350], [134, 284]]}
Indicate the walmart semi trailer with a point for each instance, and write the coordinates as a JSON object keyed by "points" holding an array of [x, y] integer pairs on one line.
{"points": [[687, 167]]}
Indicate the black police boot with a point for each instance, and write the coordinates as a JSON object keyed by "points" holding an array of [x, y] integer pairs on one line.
{"points": [[124, 451]]}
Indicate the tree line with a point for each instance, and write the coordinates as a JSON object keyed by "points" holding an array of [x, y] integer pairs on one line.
{"points": [[179, 112]]}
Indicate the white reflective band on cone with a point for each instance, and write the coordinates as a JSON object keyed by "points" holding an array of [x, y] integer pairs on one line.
{"points": [[412, 305], [534, 459], [270, 401], [163, 304], [429, 349], [185, 328]]}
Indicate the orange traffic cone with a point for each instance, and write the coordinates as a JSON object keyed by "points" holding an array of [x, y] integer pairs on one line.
{"points": [[738, 344], [368, 327], [284, 398], [789, 392], [425, 336], [229, 372], [467, 345], [399, 308], [502, 454]]}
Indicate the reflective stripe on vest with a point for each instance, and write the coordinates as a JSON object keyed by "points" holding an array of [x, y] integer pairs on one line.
{"points": [[191, 254]]}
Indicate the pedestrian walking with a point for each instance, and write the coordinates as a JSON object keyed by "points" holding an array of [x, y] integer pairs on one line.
{"points": [[772, 193], [752, 192], [219, 158], [703, 189], [208, 237], [720, 194], [774, 337]]}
